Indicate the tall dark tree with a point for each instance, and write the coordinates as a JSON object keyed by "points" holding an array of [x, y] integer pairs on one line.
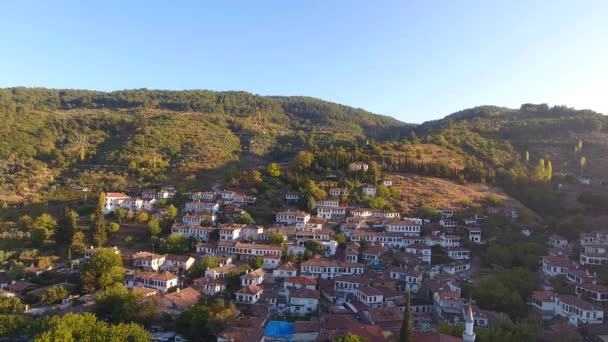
{"points": [[99, 234], [66, 227], [407, 327]]}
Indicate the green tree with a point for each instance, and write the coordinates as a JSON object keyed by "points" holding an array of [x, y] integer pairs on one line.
{"points": [[582, 162], [45, 221], [549, 171], [25, 222], [153, 227], [39, 236], [10, 306], [142, 217], [102, 270], [200, 266], [120, 214], [171, 211], [257, 262], [428, 212], [341, 240], [303, 160], [276, 238], [350, 337], [175, 244], [539, 171], [406, 333], [86, 327], [274, 170], [373, 172], [452, 330], [204, 320], [244, 219], [313, 190], [66, 227], [113, 228], [116, 304], [54, 294], [99, 233]]}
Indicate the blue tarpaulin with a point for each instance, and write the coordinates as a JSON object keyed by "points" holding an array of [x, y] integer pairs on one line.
{"points": [[279, 329]]}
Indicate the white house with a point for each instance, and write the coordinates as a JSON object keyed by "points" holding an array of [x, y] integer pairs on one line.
{"points": [[210, 286], [595, 292], [370, 296], [192, 231], [329, 202], [387, 182], [114, 201], [255, 277], [474, 234], [331, 213], [198, 219], [271, 261], [206, 196], [329, 269], [285, 270], [456, 267], [249, 294], [578, 311], [303, 301], [368, 190], [148, 261], [543, 302], [554, 265], [177, 263], [159, 281], [458, 253], [199, 206], [219, 272], [348, 284], [359, 166], [594, 254], [409, 228], [446, 223], [230, 232], [420, 249], [557, 241], [394, 240], [292, 196], [300, 283], [338, 192], [409, 280], [292, 217], [446, 212]]}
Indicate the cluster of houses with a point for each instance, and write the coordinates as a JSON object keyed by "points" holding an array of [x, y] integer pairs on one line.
{"points": [[585, 305]]}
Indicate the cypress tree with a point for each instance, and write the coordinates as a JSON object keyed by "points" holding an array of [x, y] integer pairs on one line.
{"points": [[66, 227], [407, 328], [99, 234]]}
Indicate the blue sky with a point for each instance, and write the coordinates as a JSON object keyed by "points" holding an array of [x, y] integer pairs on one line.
{"points": [[414, 60]]}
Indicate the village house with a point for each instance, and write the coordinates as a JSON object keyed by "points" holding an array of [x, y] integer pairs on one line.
{"points": [[255, 277], [292, 196], [315, 223], [420, 249], [387, 182], [20, 287], [557, 241], [594, 254], [300, 283], [135, 204], [370, 296], [407, 280], [271, 261], [249, 294], [474, 234], [361, 212], [251, 232], [248, 251], [338, 192], [385, 214], [456, 267], [198, 219], [579, 276], [285, 270], [206, 196], [303, 301], [230, 232], [578, 311], [359, 166], [200, 206], [388, 318], [206, 248], [329, 202], [219, 272], [164, 193], [447, 223], [329, 269], [394, 240], [317, 235], [180, 300], [292, 217], [595, 292], [446, 212], [447, 306], [553, 266], [408, 228], [114, 201], [351, 254], [196, 232], [368, 190], [543, 303], [372, 254], [241, 199], [148, 261], [177, 263], [348, 284], [159, 281], [331, 213], [209, 286], [458, 253], [348, 229]]}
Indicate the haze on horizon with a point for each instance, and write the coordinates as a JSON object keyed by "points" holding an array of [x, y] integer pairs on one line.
{"points": [[414, 60]]}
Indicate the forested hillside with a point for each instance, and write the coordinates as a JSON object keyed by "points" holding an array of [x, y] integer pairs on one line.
{"points": [[79, 136], [55, 138]]}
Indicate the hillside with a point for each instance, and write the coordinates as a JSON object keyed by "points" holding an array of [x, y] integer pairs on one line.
{"points": [[136, 137]]}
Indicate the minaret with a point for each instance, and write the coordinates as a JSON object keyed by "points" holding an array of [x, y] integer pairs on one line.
{"points": [[469, 335]]}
